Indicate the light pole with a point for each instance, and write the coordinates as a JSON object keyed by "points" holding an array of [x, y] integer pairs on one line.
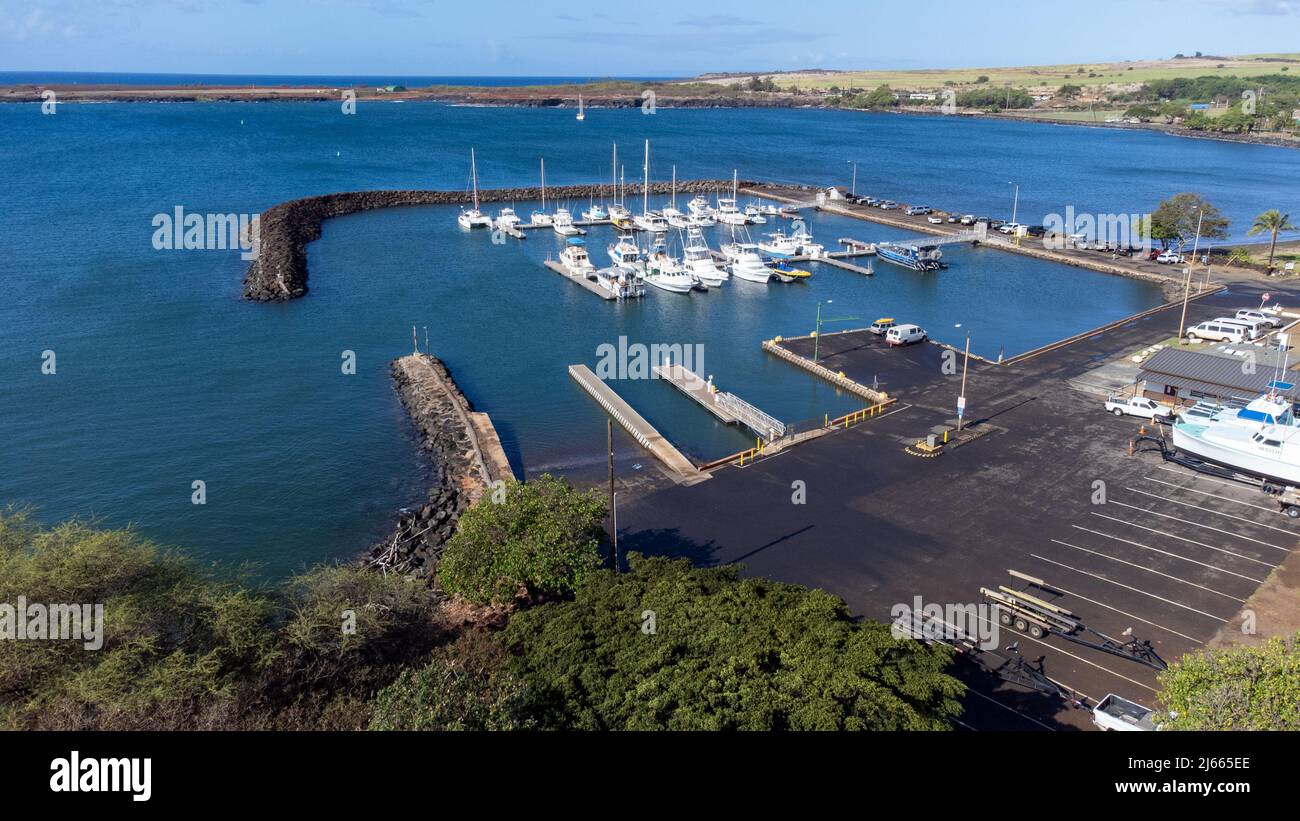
{"points": [[853, 190], [1015, 202], [817, 334], [961, 400], [1187, 283]]}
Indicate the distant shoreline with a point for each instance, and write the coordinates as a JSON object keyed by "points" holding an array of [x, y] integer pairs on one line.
{"points": [[624, 95]]}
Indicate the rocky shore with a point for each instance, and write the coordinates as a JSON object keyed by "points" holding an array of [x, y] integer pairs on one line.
{"points": [[465, 458], [280, 271]]}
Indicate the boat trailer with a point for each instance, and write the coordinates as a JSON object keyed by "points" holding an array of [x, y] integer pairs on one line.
{"points": [[1037, 617], [1287, 496]]}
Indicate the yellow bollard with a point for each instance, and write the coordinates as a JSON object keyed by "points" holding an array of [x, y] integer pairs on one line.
{"points": [[945, 437], [826, 420]]}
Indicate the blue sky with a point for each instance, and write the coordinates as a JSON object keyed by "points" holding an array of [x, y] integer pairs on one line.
{"points": [[600, 38]]}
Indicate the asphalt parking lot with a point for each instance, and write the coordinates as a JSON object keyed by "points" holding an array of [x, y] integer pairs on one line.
{"points": [[1126, 543]]}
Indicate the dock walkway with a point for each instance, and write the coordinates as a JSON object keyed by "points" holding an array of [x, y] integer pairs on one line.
{"points": [[728, 407], [679, 468], [583, 281]]}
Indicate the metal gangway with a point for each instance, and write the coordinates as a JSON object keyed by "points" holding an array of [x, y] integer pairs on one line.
{"points": [[934, 242], [765, 425]]}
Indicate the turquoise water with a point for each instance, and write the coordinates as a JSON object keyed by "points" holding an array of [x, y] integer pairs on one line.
{"points": [[164, 376]]}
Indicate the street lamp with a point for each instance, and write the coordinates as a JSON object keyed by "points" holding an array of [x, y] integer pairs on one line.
{"points": [[817, 335], [961, 400]]}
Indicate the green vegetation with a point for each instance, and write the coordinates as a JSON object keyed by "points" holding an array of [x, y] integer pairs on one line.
{"points": [[539, 541], [1235, 688], [1180, 218], [1274, 222], [994, 99]]}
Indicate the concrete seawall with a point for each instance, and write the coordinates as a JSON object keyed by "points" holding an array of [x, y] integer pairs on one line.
{"points": [[466, 458], [279, 273]]}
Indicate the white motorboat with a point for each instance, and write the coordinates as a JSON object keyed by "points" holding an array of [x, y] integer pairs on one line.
{"points": [[699, 207], [541, 217], [780, 246], [745, 262], [1261, 439], [728, 213], [754, 215], [698, 260], [652, 221], [695, 221], [575, 260], [596, 212], [621, 282], [562, 223], [507, 219], [624, 253], [582, 114], [667, 273], [769, 210], [473, 218]]}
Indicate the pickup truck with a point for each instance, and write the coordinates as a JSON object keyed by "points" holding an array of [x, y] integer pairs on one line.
{"points": [[1116, 713], [1138, 406]]}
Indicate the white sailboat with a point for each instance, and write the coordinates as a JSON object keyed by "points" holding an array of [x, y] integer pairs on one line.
{"points": [[541, 217], [647, 220], [581, 114], [728, 213], [675, 218], [473, 217]]}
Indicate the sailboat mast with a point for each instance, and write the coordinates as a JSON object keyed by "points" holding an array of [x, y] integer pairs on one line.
{"points": [[645, 187], [543, 183], [613, 175], [674, 188], [473, 173]]}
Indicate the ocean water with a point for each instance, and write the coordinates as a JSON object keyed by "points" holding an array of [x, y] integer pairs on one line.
{"points": [[165, 376]]}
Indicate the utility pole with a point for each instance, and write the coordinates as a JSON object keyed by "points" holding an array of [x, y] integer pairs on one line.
{"points": [[1015, 203], [961, 400], [1187, 284], [613, 515]]}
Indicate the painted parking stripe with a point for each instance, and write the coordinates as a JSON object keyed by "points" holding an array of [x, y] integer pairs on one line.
{"points": [[1167, 553], [1219, 619], [1198, 524], [1185, 539], [1149, 570], [1026, 637], [1211, 495], [1200, 477], [969, 689], [1212, 510], [1125, 613]]}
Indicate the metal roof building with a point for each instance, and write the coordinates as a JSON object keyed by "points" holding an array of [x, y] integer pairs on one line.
{"points": [[1192, 374]]}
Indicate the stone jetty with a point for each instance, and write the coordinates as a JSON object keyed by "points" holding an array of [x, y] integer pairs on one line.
{"points": [[466, 456], [279, 273]]}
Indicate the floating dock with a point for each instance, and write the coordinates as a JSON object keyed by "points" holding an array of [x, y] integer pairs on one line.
{"points": [[728, 407], [583, 281], [848, 266], [681, 469]]}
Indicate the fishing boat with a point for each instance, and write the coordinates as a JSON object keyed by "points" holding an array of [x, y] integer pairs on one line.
{"points": [[909, 256], [1261, 439], [666, 272], [541, 217], [699, 207], [745, 262], [753, 215], [728, 213], [621, 282], [473, 217], [699, 261], [562, 223], [595, 212], [507, 220], [574, 258], [625, 253], [780, 246]]}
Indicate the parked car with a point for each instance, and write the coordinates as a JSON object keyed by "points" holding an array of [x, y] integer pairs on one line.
{"points": [[953, 218], [1255, 328], [918, 210], [1170, 258], [1216, 331], [1259, 316], [881, 326], [905, 335], [873, 201], [934, 220], [1008, 228], [1138, 406], [992, 222], [968, 219], [889, 205]]}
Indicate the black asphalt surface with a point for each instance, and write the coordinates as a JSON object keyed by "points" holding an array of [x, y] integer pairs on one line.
{"points": [[1169, 555]]}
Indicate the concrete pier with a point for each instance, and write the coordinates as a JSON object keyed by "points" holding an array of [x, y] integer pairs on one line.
{"points": [[680, 469], [839, 380], [728, 407], [583, 281]]}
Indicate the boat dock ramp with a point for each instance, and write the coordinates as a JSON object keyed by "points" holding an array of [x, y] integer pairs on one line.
{"points": [[577, 280], [727, 407]]}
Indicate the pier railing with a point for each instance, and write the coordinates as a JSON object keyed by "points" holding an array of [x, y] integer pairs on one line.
{"points": [[753, 418]]}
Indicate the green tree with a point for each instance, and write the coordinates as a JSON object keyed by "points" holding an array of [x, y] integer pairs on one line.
{"points": [[1177, 218], [1273, 221], [1235, 688], [882, 97], [1069, 91], [542, 540], [669, 646]]}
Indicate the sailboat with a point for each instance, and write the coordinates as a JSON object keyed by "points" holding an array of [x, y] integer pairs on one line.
{"points": [[581, 115], [474, 218], [728, 213], [648, 220], [675, 218], [597, 213], [618, 213], [541, 217]]}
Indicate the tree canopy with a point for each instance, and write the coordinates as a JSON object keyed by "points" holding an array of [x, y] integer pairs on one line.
{"points": [[1177, 219], [1235, 688], [669, 646]]}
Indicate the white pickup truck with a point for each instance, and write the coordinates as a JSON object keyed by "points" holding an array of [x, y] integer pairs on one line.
{"points": [[1138, 406], [1116, 713]]}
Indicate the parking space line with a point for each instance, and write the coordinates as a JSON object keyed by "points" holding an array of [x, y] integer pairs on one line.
{"points": [[1167, 553], [1185, 539], [1198, 524], [1219, 619], [1130, 615], [1202, 477], [1211, 495], [1025, 636], [972, 690], [1212, 510], [1149, 570]]}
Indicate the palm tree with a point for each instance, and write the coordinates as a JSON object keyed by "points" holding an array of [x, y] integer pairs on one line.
{"points": [[1273, 221]]}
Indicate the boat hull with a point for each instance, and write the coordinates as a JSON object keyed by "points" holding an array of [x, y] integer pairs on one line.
{"points": [[1187, 440]]}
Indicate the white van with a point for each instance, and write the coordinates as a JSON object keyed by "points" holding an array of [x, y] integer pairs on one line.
{"points": [[1219, 331], [905, 335], [1255, 327]]}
